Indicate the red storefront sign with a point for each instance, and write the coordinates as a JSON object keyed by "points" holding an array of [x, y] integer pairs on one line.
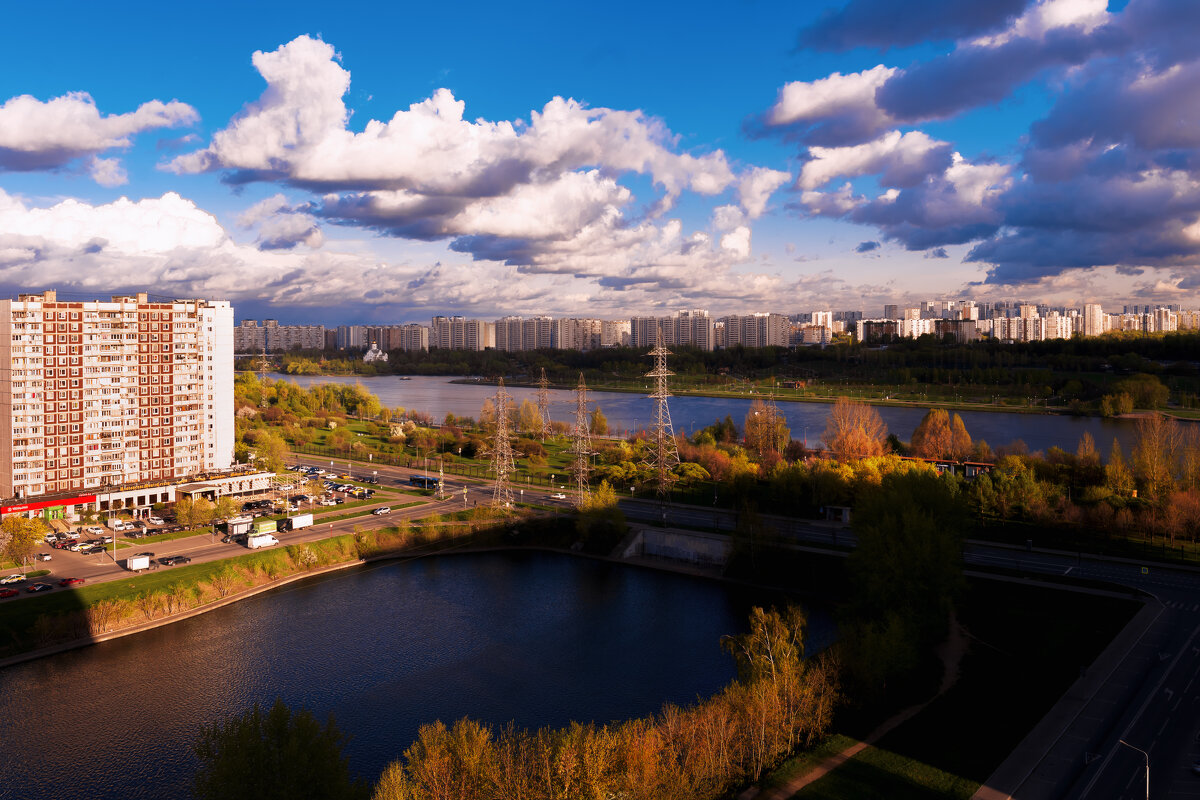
{"points": [[68, 501]]}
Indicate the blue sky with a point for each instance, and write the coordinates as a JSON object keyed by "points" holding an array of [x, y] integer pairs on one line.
{"points": [[738, 157]]}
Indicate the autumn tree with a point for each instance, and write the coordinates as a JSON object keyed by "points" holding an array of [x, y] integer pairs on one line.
{"points": [[599, 514], [1154, 455], [194, 513], [598, 423], [1117, 476], [854, 430], [941, 436], [766, 429], [20, 536], [270, 451], [529, 419], [274, 754]]}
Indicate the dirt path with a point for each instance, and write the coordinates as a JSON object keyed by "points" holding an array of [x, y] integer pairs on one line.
{"points": [[950, 652]]}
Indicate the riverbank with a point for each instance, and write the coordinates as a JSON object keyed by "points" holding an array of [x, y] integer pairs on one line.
{"points": [[790, 396]]}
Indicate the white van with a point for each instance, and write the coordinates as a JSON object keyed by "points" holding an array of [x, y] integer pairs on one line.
{"points": [[257, 540]]}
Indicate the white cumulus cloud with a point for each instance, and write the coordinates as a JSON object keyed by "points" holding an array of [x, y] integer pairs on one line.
{"points": [[36, 135]]}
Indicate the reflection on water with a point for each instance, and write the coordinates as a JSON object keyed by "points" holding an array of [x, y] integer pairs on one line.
{"points": [[536, 638], [629, 412]]}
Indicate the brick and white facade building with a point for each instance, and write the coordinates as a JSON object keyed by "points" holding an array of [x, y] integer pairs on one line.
{"points": [[96, 395]]}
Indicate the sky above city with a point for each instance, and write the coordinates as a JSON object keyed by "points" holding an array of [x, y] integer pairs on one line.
{"points": [[384, 162]]}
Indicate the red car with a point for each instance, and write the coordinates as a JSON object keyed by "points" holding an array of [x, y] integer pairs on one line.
{"points": [[70, 581], [7, 592]]}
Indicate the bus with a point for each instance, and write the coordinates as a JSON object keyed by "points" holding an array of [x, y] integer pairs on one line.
{"points": [[424, 481]]}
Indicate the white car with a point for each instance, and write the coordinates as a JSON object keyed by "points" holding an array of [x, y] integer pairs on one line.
{"points": [[382, 510], [558, 496], [156, 520], [12, 579], [92, 530]]}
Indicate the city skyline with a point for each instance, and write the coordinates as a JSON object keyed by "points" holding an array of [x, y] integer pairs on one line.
{"points": [[380, 164]]}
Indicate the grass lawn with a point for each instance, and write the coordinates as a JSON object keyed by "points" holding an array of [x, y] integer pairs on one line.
{"points": [[361, 513], [802, 763], [881, 773], [16, 618], [163, 537]]}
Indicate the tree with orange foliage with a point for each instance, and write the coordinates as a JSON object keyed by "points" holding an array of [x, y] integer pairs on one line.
{"points": [[854, 430]]}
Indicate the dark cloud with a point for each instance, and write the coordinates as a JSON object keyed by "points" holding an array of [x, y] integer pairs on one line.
{"points": [[1108, 178], [1125, 103], [866, 247], [886, 23], [971, 76]]}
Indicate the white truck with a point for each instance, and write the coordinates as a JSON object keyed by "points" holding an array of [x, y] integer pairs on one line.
{"points": [[257, 540], [137, 563], [299, 521]]}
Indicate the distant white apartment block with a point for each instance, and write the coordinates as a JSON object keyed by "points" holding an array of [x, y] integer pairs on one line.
{"points": [[688, 328], [97, 394], [760, 330], [251, 337], [458, 333]]}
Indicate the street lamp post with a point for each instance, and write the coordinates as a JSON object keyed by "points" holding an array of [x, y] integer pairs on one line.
{"points": [[1147, 757]]}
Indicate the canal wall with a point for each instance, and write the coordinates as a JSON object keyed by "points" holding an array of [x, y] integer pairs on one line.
{"points": [[690, 547]]}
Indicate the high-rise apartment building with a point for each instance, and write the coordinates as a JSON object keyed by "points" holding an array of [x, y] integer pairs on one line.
{"points": [[406, 337], [457, 333], [689, 328], [1095, 322], [249, 337], [103, 394], [759, 330]]}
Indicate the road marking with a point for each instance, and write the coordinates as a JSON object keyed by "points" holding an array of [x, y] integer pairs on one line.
{"points": [[1068, 572]]}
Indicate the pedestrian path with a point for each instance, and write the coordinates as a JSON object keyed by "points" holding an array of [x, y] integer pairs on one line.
{"points": [[950, 652]]}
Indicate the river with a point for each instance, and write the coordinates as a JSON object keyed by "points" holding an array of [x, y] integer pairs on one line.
{"points": [[538, 638], [629, 412]]}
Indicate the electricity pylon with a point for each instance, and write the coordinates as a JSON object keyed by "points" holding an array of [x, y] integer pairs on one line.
{"points": [[581, 445], [664, 454], [263, 366], [502, 455], [543, 403]]}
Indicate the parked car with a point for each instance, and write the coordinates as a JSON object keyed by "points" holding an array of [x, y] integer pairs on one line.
{"points": [[91, 530], [7, 592], [70, 581], [382, 510], [11, 579], [93, 550], [39, 587], [156, 520]]}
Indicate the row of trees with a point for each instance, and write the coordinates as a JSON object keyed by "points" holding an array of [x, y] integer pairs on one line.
{"points": [[781, 702]]}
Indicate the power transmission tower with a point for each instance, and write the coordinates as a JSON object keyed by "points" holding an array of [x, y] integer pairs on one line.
{"points": [[502, 455], [581, 445], [664, 455], [263, 366], [543, 403]]}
